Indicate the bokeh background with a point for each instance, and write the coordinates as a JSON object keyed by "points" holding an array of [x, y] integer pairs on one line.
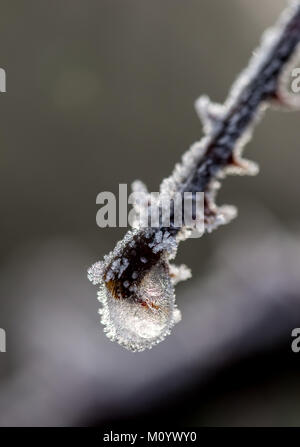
{"points": [[101, 92]]}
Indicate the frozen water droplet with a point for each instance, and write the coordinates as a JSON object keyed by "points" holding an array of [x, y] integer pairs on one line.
{"points": [[145, 318]]}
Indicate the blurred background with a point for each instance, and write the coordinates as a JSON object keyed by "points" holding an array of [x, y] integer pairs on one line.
{"points": [[100, 93]]}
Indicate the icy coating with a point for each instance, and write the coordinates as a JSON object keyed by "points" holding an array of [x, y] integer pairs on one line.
{"points": [[146, 317], [136, 280]]}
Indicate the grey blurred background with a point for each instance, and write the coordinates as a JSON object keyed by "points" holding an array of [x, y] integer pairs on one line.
{"points": [[101, 93]]}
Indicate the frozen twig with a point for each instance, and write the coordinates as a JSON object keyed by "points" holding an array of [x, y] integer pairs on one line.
{"points": [[136, 279]]}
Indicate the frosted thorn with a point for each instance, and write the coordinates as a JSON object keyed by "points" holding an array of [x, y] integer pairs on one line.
{"points": [[242, 166], [209, 113], [139, 186]]}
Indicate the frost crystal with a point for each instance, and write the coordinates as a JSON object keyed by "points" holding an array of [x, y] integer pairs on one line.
{"points": [[95, 273]]}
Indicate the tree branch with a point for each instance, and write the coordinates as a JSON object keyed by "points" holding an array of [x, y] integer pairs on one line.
{"points": [[136, 279]]}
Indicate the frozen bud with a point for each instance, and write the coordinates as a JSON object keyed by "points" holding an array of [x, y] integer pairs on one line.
{"points": [[144, 318]]}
